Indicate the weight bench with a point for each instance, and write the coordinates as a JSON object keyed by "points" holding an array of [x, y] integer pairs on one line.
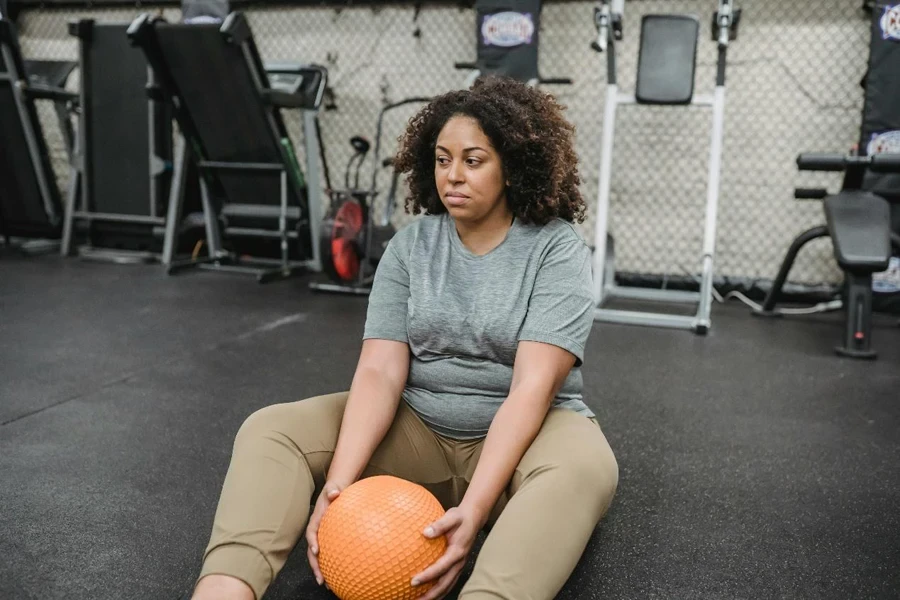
{"points": [[255, 197], [858, 218], [858, 222], [30, 203]]}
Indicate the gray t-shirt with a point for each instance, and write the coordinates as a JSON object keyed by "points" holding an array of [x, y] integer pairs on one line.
{"points": [[463, 315]]}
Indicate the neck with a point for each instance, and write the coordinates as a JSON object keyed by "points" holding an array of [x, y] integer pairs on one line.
{"points": [[482, 236]]}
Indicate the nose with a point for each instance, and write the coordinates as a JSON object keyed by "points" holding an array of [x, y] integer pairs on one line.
{"points": [[455, 173]]}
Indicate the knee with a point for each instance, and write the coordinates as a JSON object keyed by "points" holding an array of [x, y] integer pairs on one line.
{"points": [[262, 423], [308, 425], [594, 472]]}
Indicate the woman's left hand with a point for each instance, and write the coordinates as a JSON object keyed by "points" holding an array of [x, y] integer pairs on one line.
{"points": [[461, 526]]}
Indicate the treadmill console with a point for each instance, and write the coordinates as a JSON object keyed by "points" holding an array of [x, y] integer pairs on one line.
{"points": [[305, 82]]}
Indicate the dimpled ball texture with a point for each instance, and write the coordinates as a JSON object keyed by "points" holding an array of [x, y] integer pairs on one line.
{"points": [[371, 542]]}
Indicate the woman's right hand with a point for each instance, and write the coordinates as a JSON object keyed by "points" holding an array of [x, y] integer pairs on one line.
{"points": [[330, 491]]}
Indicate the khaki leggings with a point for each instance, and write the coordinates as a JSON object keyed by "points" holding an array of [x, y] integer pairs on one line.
{"points": [[539, 528]]}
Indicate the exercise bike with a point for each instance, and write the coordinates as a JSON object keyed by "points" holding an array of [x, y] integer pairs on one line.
{"points": [[353, 238]]}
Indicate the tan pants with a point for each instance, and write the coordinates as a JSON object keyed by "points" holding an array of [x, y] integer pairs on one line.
{"points": [[561, 489]]}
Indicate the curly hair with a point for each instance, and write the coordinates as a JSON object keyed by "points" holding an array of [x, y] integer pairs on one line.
{"points": [[527, 129]]}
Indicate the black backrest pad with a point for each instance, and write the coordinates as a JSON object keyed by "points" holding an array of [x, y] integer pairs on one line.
{"points": [[118, 122], [23, 209], [218, 90], [667, 60], [858, 223], [880, 131], [507, 33]]}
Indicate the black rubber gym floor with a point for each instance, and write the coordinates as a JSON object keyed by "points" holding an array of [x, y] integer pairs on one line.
{"points": [[754, 463]]}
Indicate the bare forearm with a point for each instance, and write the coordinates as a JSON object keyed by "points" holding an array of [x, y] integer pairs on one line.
{"points": [[514, 427], [368, 415]]}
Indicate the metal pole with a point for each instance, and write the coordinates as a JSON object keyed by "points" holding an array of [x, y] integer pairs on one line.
{"points": [[601, 221], [313, 184]]}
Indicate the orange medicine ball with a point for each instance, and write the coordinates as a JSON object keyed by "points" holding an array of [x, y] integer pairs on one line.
{"points": [[371, 542]]}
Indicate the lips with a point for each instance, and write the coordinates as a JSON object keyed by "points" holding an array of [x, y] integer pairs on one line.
{"points": [[456, 199]]}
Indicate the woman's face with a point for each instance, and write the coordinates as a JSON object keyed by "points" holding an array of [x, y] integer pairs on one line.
{"points": [[468, 172]]}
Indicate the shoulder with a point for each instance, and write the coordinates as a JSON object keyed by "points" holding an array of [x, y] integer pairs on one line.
{"points": [[556, 235], [559, 231], [421, 230]]}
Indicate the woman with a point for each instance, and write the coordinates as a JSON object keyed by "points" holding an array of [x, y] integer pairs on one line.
{"points": [[469, 380]]}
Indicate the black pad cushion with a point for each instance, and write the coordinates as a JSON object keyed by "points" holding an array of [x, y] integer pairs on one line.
{"points": [[507, 33], [859, 223], [880, 131], [117, 101], [668, 58], [219, 92]]}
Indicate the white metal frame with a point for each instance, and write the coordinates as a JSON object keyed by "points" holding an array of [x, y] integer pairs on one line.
{"points": [[605, 287]]}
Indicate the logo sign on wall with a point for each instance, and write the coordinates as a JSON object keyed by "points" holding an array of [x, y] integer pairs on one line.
{"points": [[887, 142], [890, 23], [507, 29]]}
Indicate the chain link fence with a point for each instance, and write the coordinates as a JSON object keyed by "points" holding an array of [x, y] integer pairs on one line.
{"points": [[793, 85]]}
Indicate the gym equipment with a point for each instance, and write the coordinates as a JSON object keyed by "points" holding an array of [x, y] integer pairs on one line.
{"points": [[122, 180], [204, 11], [858, 218], [252, 187], [343, 228], [371, 543], [858, 223], [665, 77], [30, 203], [353, 239], [507, 32]]}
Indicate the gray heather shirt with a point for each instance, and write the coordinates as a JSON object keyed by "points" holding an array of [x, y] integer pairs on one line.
{"points": [[463, 315]]}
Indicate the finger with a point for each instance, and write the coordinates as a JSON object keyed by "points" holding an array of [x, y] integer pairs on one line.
{"points": [[445, 584], [440, 527], [450, 558], [331, 489], [314, 565], [315, 519], [312, 530], [312, 534]]}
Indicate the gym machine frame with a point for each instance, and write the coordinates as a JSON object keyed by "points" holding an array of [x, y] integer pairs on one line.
{"points": [[29, 81], [857, 221], [80, 204], [365, 241], [608, 20], [235, 32]]}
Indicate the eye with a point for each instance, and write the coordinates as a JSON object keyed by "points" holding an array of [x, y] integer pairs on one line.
{"points": [[442, 160], [473, 162]]}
